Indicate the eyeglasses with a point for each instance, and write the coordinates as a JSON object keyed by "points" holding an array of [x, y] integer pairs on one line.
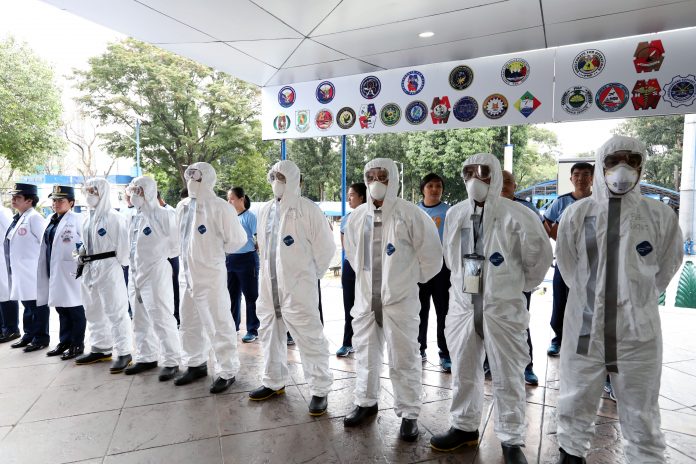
{"points": [[134, 190], [480, 171], [377, 175], [90, 190], [276, 176], [634, 160], [193, 174]]}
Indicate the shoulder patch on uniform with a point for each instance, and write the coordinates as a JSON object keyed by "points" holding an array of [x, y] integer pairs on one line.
{"points": [[102, 232], [496, 258], [202, 229], [288, 240], [390, 249], [644, 248], [147, 231]]}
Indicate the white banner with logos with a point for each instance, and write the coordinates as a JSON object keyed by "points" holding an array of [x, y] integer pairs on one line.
{"points": [[635, 76]]}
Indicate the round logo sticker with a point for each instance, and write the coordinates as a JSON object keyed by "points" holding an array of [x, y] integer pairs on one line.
{"points": [[515, 71], [412, 82], [325, 92], [576, 100], [390, 114], [22, 231], [370, 87], [286, 96], [611, 97], [416, 112], [589, 63], [324, 119], [681, 91], [281, 123], [461, 77], [495, 106], [345, 118], [465, 109]]}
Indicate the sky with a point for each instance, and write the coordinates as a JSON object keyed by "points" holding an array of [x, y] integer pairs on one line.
{"points": [[66, 41]]}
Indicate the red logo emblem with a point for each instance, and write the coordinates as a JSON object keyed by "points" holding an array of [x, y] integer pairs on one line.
{"points": [[649, 56], [645, 94], [440, 110]]}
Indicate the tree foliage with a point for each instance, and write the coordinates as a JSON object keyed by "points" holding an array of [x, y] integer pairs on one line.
{"points": [[30, 107]]}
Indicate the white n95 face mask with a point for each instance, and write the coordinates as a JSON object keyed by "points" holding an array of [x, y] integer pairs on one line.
{"points": [[193, 187], [278, 188], [621, 179], [137, 201], [378, 190], [477, 189], [92, 200]]}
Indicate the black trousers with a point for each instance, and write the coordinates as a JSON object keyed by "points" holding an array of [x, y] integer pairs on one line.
{"points": [[438, 289], [243, 278], [9, 317], [560, 298], [35, 323], [72, 325], [175, 283], [348, 284]]}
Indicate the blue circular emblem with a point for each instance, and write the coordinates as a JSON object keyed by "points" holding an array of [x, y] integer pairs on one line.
{"points": [[681, 91], [370, 87], [286, 96], [412, 82], [325, 92], [465, 109], [416, 112]]}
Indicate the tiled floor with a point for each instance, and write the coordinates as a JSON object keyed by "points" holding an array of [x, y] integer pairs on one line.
{"points": [[55, 412]]}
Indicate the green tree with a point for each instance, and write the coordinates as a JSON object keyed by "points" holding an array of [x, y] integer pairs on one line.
{"points": [[30, 108]]}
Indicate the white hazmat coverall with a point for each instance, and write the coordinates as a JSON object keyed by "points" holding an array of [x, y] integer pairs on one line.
{"points": [[410, 253], [296, 245], [617, 254], [517, 254], [208, 228], [104, 292], [153, 239]]}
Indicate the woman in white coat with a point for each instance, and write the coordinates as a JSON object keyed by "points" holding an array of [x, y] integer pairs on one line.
{"points": [[9, 309], [56, 282]]}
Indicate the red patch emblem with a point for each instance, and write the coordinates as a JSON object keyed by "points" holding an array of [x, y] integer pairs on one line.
{"points": [[649, 56], [645, 94]]}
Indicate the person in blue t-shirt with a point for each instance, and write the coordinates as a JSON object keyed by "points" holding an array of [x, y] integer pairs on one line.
{"points": [[581, 177], [243, 267], [432, 187]]}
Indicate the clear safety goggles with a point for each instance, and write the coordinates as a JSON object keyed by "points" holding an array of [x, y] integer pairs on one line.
{"points": [[634, 160], [90, 190], [134, 190], [276, 176], [377, 175], [193, 174], [480, 171]]}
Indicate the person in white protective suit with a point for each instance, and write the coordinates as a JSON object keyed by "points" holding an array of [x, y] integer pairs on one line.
{"points": [[153, 238], [496, 249], [617, 251], [392, 245], [104, 293], [208, 228], [296, 246]]}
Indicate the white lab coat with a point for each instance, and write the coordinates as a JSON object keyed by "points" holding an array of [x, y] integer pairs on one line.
{"points": [[304, 248], [5, 221], [62, 289], [650, 252], [205, 302], [411, 253], [25, 241]]}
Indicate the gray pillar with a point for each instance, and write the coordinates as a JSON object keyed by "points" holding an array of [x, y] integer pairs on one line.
{"points": [[688, 179]]}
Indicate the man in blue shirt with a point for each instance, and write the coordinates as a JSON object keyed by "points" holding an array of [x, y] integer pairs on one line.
{"points": [[581, 178], [432, 186]]}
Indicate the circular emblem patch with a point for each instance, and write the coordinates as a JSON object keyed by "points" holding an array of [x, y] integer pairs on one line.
{"points": [[22, 231], [465, 109], [576, 100], [345, 118], [390, 114], [302, 121], [515, 71], [412, 82], [461, 77], [281, 123], [611, 97], [325, 92], [370, 87], [324, 119], [589, 63], [286, 96], [495, 106], [681, 91], [416, 112]]}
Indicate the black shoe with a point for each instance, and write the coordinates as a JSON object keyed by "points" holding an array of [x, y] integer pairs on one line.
{"points": [[358, 415], [93, 357], [191, 374], [120, 364], [35, 347], [264, 393], [409, 430], [453, 439], [318, 405], [137, 368], [512, 454], [220, 385], [168, 373], [9, 337], [73, 352], [570, 459], [59, 349], [20, 344]]}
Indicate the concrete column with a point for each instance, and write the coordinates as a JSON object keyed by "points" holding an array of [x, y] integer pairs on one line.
{"points": [[687, 202]]}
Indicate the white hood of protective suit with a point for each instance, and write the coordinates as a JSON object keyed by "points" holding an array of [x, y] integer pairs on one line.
{"points": [[392, 187], [208, 180], [292, 181], [104, 188], [496, 185], [600, 191], [149, 187]]}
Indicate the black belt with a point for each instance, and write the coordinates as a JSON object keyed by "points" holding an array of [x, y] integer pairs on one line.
{"points": [[98, 256]]}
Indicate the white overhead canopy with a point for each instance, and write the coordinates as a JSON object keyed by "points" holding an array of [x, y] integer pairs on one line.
{"points": [[273, 42]]}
